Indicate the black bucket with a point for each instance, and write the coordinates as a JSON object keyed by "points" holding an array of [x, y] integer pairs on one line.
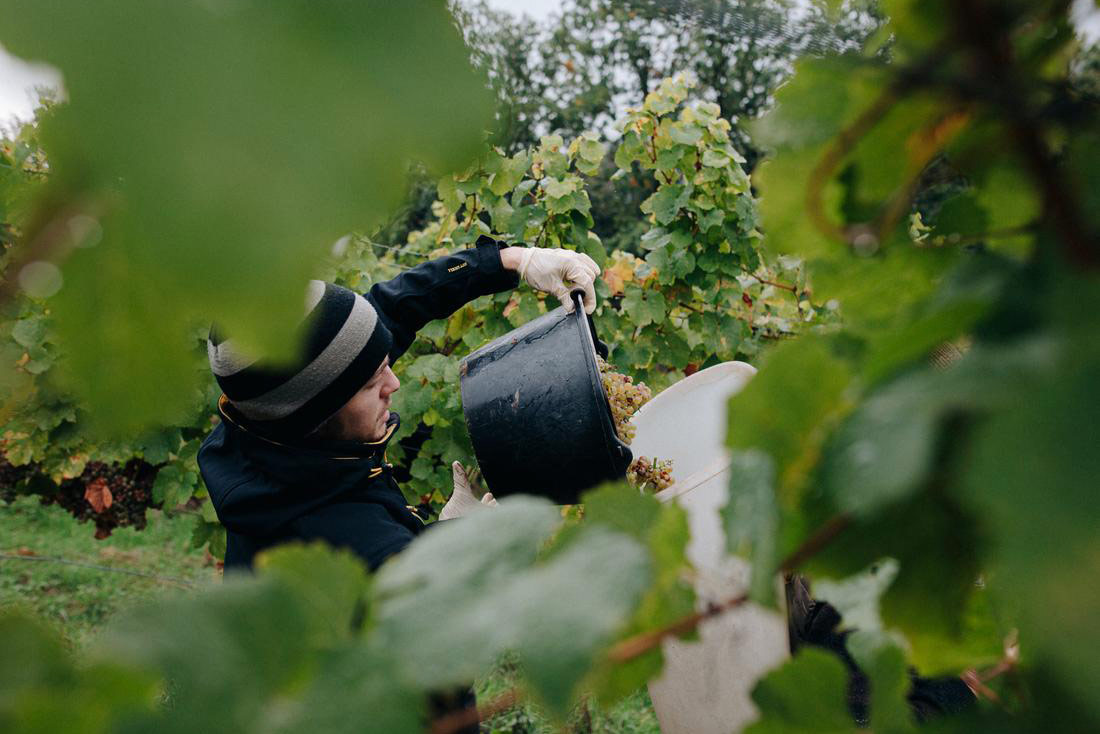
{"points": [[537, 412]]}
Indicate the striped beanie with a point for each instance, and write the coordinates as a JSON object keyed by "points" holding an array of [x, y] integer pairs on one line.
{"points": [[344, 342]]}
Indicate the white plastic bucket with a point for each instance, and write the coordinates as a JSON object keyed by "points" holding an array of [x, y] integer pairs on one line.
{"points": [[704, 687]]}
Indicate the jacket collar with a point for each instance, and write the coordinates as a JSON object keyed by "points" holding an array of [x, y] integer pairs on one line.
{"points": [[329, 449]]}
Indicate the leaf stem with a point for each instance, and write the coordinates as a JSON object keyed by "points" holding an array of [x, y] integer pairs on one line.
{"points": [[765, 281]]}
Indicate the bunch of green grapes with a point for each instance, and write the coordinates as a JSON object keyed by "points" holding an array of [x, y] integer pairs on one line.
{"points": [[625, 397], [652, 474]]}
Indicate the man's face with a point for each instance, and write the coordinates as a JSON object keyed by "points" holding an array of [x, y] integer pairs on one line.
{"points": [[363, 418]]}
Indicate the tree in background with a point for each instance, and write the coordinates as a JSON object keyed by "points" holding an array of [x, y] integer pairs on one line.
{"points": [[581, 68]]}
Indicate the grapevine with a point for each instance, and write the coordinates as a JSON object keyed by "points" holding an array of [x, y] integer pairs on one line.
{"points": [[111, 496], [10, 478]]}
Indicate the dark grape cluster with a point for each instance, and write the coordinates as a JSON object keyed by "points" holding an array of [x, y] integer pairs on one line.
{"points": [[110, 495], [11, 477]]}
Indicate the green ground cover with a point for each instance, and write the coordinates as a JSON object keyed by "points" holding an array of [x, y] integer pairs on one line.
{"points": [[80, 599]]}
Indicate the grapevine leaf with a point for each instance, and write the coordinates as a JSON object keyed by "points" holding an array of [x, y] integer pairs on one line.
{"points": [[782, 182], [856, 283], [893, 350], [511, 172], [594, 248], [1081, 155], [37, 672], [807, 694], [354, 691], [201, 195], [669, 158], [333, 583], [881, 658], [715, 158], [663, 529], [228, 651], [556, 189], [1033, 477], [919, 128], [751, 519], [961, 216], [448, 193], [158, 446], [1008, 195], [821, 98], [667, 202], [887, 447], [555, 614], [644, 307], [786, 408], [34, 654], [685, 133], [938, 544], [29, 332], [659, 104], [592, 150], [168, 486]]}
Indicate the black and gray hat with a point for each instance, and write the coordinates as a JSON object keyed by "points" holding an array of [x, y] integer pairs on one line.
{"points": [[344, 342]]}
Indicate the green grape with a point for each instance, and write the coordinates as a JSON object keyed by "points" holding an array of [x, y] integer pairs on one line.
{"points": [[625, 398]]}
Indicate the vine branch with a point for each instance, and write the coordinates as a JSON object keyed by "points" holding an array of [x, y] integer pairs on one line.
{"points": [[843, 144], [765, 281], [459, 720], [638, 645], [994, 61]]}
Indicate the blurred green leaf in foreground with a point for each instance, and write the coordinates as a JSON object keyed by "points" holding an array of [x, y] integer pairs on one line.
{"points": [[220, 148]]}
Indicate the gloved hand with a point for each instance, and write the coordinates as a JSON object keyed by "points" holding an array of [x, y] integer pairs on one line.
{"points": [[560, 272], [462, 499]]}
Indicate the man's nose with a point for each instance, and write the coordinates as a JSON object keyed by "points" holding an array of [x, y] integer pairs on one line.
{"points": [[394, 382]]}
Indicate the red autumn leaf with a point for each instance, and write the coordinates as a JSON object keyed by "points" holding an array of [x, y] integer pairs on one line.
{"points": [[746, 299], [98, 495]]}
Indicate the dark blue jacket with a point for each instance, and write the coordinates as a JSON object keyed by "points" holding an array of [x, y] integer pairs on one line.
{"points": [[268, 492]]}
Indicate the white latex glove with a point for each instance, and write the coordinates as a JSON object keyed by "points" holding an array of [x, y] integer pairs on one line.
{"points": [[462, 499], [560, 272]]}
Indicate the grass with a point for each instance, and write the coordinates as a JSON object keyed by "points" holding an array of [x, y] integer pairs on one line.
{"points": [[633, 715], [79, 600]]}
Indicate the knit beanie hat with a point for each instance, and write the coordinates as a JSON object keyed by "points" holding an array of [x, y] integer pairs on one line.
{"points": [[344, 342]]}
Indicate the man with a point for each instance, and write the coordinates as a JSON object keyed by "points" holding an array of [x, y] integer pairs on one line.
{"points": [[300, 451]]}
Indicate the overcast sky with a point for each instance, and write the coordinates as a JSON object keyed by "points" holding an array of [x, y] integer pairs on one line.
{"points": [[18, 77], [535, 8]]}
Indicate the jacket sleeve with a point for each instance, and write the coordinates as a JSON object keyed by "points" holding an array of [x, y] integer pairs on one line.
{"points": [[438, 288]]}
